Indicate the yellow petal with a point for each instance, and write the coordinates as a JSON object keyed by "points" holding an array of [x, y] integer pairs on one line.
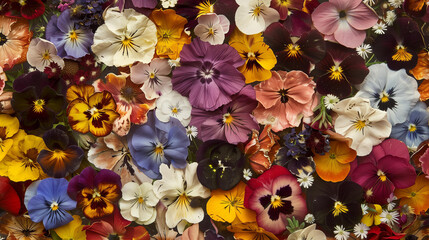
{"points": [[102, 100], [9, 126], [5, 147], [102, 125], [77, 118], [72, 230], [219, 208], [79, 91], [19, 171]]}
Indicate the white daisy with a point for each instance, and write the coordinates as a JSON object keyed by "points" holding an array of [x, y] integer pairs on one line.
{"points": [[396, 3], [379, 28], [390, 17], [389, 218], [341, 233], [191, 132], [305, 180], [309, 218], [330, 101], [363, 50], [361, 230], [391, 204], [247, 174], [364, 208]]}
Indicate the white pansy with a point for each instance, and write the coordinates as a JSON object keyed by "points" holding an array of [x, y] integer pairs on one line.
{"points": [[174, 105], [254, 16], [41, 53]]}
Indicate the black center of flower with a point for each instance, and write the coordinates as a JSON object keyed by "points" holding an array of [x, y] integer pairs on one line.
{"points": [[128, 93], [283, 95], [27, 232], [343, 14], [387, 100], [207, 73], [3, 39]]}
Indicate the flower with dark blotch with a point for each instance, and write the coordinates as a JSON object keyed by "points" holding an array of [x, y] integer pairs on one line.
{"points": [[283, 6], [28, 9], [21, 227]]}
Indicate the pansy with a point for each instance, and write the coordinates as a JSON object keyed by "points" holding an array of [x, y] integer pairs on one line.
{"points": [[373, 215], [231, 122], [72, 230], [15, 38], [107, 227], [154, 77], [122, 4], [219, 165], [62, 158], [344, 20], [41, 53], [156, 142], [400, 45], [163, 231], [170, 33], [208, 74], [365, 125], [259, 57], [383, 231], [391, 91], [254, 16], [173, 105], [309, 232], [21, 228], [51, 203], [70, 41], [339, 70], [138, 203], [287, 97], [386, 168], [212, 28], [335, 204], [227, 206], [334, 165], [131, 102], [96, 193], [136, 233], [28, 9], [415, 196], [9, 199], [9, 126], [283, 6], [415, 129], [249, 231], [177, 189], [126, 37], [274, 196], [421, 70]]}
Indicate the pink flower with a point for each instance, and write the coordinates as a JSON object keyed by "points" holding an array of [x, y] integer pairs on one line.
{"points": [[344, 21], [284, 99]]}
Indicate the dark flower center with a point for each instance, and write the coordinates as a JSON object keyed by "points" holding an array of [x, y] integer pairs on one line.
{"points": [[386, 100], [283, 95], [27, 232], [3, 39], [277, 203], [128, 93], [342, 14], [207, 73]]}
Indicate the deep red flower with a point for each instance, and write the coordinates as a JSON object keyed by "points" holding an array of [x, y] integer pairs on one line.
{"points": [[28, 9], [9, 199], [382, 231]]}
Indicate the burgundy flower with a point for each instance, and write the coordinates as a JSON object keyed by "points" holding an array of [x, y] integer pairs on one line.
{"points": [[383, 231], [28, 9]]}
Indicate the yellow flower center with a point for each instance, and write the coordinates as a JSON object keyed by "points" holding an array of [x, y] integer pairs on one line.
{"points": [[402, 54], [141, 200], [336, 73], [38, 105], [339, 207], [58, 154], [369, 192], [205, 7], [227, 118], [152, 75], [54, 206], [22, 2], [293, 50], [332, 156], [183, 200], [211, 32], [159, 149], [73, 35], [127, 44], [413, 194], [412, 127], [276, 201], [46, 55], [95, 113], [251, 56], [381, 175], [359, 124], [3, 39], [384, 97], [96, 193], [174, 111], [256, 11]]}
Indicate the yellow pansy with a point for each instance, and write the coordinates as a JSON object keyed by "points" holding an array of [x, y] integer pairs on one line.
{"points": [[72, 230], [373, 216], [9, 126]]}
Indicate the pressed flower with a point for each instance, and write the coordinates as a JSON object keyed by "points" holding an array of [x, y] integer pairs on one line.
{"points": [[383, 231], [386, 168], [21, 228], [208, 74], [258, 56], [231, 122], [154, 77], [219, 165], [163, 231], [373, 215], [9, 126], [136, 233], [212, 28], [335, 164], [274, 196], [20, 164], [360, 230], [156, 142], [72, 230], [345, 21], [294, 53], [151, 4], [305, 180], [28, 9], [421, 70], [176, 189], [339, 70], [416, 196], [365, 125], [62, 158], [170, 33], [138, 203], [126, 37], [254, 16], [96, 115], [415, 129], [415, 8], [110, 226], [9, 199], [363, 50], [191, 132], [389, 217], [309, 232], [96, 193], [286, 96], [173, 105], [70, 41], [391, 91], [41, 53], [400, 45], [249, 231], [111, 152], [15, 38], [51, 203], [227, 206], [131, 103], [283, 6]]}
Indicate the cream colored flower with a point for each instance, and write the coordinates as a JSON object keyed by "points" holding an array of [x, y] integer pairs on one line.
{"points": [[41, 53]]}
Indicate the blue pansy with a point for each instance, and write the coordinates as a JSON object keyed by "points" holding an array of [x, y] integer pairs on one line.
{"points": [[70, 39], [156, 142], [415, 129], [51, 203]]}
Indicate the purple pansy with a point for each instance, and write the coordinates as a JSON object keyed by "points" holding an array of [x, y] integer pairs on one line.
{"points": [[208, 74]]}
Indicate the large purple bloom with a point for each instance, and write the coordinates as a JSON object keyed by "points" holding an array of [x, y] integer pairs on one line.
{"points": [[231, 122], [70, 41], [387, 167], [157, 142], [208, 74]]}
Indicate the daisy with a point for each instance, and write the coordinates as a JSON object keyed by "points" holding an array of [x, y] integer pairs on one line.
{"points": [[341, 233], [363, 50], [396, 3], [389, 217], [330, 101], [309, 218], [191, 132], [390, 17], [361, 230], [305, 180], [379, 28], [364, 208]]}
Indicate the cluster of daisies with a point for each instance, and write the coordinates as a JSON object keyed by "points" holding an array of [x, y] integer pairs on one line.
{"points": [[214, 119]]}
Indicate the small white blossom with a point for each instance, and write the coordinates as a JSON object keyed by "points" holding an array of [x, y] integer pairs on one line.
{"points": [[361, 230], [168, 3], [247, 174], [191, 132], [389, 217], [30, 69], [341, 233], [379, 28], [330, 101], [364, 208], [363, 50], [174, 62], [390, 17], [309, 218], [305, 180], [396, 3], [391, 204]]}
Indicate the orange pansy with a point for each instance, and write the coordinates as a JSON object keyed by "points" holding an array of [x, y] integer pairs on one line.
{"points": [[416, 196], [421, 70], [424, 90]]}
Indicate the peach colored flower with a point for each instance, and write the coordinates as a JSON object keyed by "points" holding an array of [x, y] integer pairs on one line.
{"points": [[421, 70], [284, 99]]}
